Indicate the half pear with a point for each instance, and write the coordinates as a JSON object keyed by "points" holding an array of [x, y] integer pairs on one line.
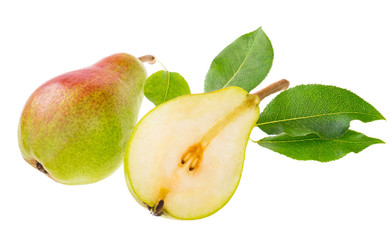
{"points": [[185, 157]]}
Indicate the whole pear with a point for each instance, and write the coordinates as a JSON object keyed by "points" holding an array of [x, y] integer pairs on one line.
{"points": [[75, 127]]}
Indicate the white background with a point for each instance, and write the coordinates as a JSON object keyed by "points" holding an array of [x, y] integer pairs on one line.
{"points": [[342, 43]]}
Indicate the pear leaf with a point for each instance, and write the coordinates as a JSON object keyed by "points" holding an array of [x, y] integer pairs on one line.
{"points": [[164, 85], [313, 147], [244, 63], [324, 110]]}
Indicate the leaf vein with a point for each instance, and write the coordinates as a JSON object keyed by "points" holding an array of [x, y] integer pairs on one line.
{"points": [[314, 116], [167, 86], [313, 139], [243, 62]]}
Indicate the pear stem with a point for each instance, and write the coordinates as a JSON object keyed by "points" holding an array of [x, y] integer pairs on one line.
{"points": [[273, 88], [148, 59]]}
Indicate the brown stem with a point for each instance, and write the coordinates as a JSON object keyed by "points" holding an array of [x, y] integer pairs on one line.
{"points": [[273, 88], [148, 59]]}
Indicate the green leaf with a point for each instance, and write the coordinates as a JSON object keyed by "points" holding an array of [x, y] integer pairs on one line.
{"points": [[324, 110], [163, 86], [244, 63], [312, 147]]}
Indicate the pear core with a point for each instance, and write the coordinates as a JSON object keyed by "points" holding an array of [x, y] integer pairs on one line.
{"points": [[185, 157]]}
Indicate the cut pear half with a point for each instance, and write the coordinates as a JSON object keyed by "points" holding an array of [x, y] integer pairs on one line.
{"points": [[185, 157]]}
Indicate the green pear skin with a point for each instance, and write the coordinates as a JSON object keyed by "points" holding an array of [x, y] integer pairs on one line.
{"points": [[75, 127]]}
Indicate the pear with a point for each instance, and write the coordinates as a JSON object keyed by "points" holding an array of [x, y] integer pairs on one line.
{"points": [[185, 157], [75, 127]]}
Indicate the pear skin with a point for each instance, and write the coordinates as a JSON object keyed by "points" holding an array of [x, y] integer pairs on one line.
{"points": [[75, 127]]}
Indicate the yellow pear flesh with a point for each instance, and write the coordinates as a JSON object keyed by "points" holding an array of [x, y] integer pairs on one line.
{"points": [[185, 157]]}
